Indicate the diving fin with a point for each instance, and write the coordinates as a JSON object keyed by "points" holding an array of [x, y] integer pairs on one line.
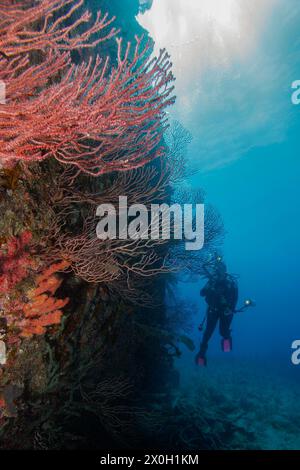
{"points": [[200, 360], [227, 345]]}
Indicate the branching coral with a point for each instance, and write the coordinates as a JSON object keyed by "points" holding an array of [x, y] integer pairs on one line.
{"points": [[123, 263], [95, 119], [193, 262], [92, 117], [105, 401], [19, 36], [95, 260], [177, 139], [146, 185]]}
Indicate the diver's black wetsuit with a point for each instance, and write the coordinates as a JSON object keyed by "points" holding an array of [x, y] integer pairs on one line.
{"points": [[221, 295]]}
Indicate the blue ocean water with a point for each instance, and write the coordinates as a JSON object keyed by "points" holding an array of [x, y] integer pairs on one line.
{"points": [[234, 95]]}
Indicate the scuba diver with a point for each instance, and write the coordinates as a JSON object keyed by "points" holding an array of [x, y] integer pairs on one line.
{"points": [[221, 295]]}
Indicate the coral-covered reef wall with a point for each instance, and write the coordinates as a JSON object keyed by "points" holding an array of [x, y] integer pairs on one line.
{"points": [[71, 357], [86, 350]]}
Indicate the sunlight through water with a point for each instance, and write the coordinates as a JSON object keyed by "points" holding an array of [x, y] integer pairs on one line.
{"points": [[218, 53]]}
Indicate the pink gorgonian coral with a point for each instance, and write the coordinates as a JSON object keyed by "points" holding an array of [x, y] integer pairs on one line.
{"points": [[93, 116]]}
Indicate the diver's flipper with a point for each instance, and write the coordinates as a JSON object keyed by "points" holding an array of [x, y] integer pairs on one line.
{"points": [[200, 360], [227, 345]]}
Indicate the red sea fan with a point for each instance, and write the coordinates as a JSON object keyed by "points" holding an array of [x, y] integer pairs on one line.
{"points": [[96, 119], [19, 33]]}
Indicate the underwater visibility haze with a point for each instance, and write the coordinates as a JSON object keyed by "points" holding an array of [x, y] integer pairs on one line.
{"points": [[235, 63]]}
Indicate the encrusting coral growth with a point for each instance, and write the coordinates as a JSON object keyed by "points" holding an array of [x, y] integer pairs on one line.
{"points": [[15, 261], [43, 309], [32, 311]]}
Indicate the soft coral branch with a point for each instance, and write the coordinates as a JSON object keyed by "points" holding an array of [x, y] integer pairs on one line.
{"points": [[97, 122], [19, 36]]}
